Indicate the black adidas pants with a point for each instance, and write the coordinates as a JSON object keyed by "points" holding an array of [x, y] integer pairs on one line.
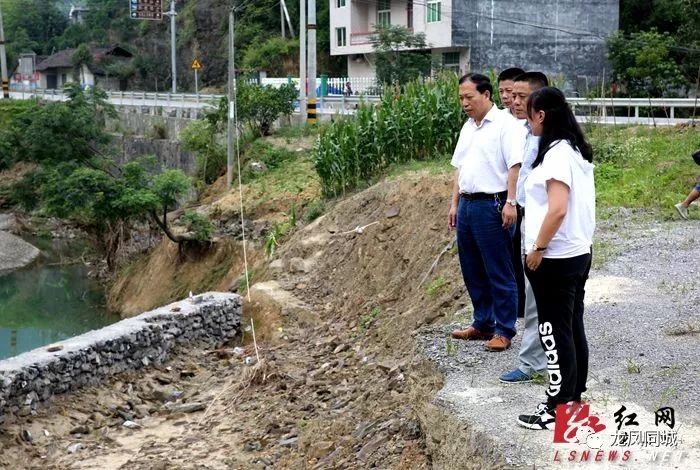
{"points": [[558, 285]]}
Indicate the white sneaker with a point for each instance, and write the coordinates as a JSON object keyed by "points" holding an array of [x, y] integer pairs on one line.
{"points": [[682, 210]]}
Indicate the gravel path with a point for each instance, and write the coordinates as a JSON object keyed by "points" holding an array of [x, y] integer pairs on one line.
{"points": [[643, 328]]}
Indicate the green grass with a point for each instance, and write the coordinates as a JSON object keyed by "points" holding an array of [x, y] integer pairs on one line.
{"points": [[314, 210], [540, 379], [9, 109], [367, 320], [633, 367], [435, 287], [437, 166], [643, 167], [603, 251], [297, 131], [450, 346]]}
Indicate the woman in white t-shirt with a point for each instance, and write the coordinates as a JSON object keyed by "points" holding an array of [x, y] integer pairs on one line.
{"points": [[560, 208]]}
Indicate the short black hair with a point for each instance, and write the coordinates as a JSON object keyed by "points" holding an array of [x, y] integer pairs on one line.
{"points": [[536, 80], [482, 82], [510, 74]]}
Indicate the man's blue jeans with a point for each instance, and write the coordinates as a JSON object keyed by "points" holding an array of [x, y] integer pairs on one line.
{"points": [[485, 251]]}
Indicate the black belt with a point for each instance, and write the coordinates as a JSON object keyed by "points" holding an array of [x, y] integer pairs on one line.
{"points": [[475, 196]]}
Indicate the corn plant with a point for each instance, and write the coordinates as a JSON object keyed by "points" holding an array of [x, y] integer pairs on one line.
{"points": [[417, 122]]}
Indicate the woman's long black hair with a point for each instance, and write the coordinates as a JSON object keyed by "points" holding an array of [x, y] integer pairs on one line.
{"points": [[559, 123]]}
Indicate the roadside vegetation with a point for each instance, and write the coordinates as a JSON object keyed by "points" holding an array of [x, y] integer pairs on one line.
{"points": [[420, 121]]}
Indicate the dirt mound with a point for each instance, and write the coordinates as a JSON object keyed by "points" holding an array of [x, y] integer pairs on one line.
{"points": [[373, 274]]}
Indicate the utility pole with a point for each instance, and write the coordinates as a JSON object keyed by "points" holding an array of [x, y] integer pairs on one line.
{"points": [[172, 14], [3, 62], [231, 99], [302, 60], [282, 20], [311, 119], [286, 15]]}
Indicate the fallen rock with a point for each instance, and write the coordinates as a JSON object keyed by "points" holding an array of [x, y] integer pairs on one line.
{"points": [[8, 222], [15, 253], [131, 425], [82, 429], [141, 411], [392, 212], [298, 265], [371, 446], [26, 436], [165, 395], [252, 446], [277, 265], [73, 448], [320, 449], [292, 441], [258, 167], [185, 408]]}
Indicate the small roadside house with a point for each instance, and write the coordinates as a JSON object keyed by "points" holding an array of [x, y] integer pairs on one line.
{"points": [[58, 69]]}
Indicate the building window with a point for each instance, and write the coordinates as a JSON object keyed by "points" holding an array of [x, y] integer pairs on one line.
{"points": [[409, 14], [384, 13], [339, 3], [340, 37], [450, 61], [434, 11]]}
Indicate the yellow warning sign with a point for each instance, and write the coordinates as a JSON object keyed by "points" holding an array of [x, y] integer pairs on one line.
{"points": [[196, 65]]}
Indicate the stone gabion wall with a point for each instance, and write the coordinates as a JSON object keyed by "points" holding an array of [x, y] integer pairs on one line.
{"points": [[35, 376]]}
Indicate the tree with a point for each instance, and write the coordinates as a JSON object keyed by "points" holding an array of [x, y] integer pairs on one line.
{"points": [[78, 180], [400, 56], [277, 56], [643, 65], [260, 106], [679, 18], [32, 25], [81, 57]]}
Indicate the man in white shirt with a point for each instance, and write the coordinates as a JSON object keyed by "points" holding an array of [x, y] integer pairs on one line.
{"points": [[505, 87], [487, 159], [506, 82]]}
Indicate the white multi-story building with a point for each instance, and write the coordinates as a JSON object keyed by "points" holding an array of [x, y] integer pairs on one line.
{"points": [[562, 38], [354, 21]]}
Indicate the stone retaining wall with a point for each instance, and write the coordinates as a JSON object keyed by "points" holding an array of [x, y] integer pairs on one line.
{"points": [[130, 344]]}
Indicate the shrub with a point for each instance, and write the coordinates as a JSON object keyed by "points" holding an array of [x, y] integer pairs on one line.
{"points": [[260, 106], [314, 210], [201, 138], [199, 225]]}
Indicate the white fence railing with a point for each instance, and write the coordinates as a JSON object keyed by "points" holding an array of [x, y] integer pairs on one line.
{"points": [[335, 86], [664, 111]]}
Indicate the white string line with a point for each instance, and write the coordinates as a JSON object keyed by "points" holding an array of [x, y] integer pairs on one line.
{"points": [[240, 185]]}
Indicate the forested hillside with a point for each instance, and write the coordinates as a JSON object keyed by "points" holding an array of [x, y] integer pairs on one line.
{"points": [[42, 26]]}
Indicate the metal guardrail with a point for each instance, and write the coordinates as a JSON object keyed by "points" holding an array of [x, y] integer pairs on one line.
{"points": [[597, 110]]}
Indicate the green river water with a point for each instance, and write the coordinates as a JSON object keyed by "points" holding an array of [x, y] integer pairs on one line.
{"points": [[47, 302]]}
